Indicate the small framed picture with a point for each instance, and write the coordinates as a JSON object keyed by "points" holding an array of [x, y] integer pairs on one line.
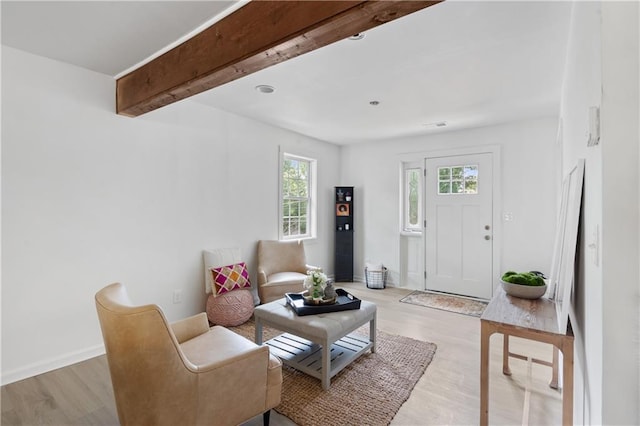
{"points": [[342, 209]]}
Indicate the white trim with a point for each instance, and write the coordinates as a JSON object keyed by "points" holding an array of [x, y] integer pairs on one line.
{"points": [[312, 210], [51, 364], [406, 166], [496, 152]]}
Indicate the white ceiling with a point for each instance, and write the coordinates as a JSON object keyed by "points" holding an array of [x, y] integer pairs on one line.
{"points": [[469, 64]]}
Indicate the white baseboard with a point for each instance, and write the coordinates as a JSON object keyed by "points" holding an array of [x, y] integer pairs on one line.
{"points": [[51, 364]]}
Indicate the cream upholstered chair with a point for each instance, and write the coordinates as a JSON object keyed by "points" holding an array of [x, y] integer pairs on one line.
{"points": [[282, 268], [183, 373], [230, 308]]}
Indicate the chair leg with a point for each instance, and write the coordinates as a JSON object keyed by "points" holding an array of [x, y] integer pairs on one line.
{"points": [[265, 417]]}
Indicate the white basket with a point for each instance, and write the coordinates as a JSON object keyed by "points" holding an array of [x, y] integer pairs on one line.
{"points": [[375, 279]]}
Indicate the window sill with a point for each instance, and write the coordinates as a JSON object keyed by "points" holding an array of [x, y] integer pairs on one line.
{"points": [[412, 234], [305, 239]]}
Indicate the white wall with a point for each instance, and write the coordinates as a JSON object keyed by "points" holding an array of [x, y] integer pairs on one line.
{"points": [[89, 198], [620, 216], [602, 70], [581, 89], [529, 191]]}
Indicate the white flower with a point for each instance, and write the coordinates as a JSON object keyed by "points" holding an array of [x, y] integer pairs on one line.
{"points": [[315, 282]]}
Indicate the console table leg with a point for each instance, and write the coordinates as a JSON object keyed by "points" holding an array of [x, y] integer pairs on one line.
{"points": [[505, 355], [485, 335], [554, 369], [567, 381]]}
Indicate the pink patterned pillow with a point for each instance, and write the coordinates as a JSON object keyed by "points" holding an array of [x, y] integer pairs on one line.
{"points": [[229, 278]]}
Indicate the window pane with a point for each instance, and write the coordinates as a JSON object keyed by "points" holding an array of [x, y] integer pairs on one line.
{"points": [[471, 187], [296, 192], [303, 172], [413, 196], [299, 188], [471, 172], [444, 173], [456, 172], [458, 180], [470, 179]]}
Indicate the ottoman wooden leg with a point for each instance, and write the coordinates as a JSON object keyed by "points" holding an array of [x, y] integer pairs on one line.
{"points": [[258, 332], [372, 333], [326, 365]]}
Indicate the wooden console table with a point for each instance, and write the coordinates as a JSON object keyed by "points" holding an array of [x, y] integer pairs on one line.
{"points": [[528, 319]]}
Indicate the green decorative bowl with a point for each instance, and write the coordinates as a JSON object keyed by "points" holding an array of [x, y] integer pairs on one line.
{"points": [[524, 291]]}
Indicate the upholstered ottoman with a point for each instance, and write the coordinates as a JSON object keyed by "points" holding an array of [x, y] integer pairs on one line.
{"points": [[306, 334], [226, 279], [230, 309]]}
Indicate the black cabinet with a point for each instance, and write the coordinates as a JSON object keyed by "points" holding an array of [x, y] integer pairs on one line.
{"points": [[344, 233]]}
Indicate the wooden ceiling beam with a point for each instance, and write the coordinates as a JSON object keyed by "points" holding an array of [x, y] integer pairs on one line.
{"points": [[259, 34]]}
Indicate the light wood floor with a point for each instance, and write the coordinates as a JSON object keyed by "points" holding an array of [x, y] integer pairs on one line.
{"points": [[447, 394]]}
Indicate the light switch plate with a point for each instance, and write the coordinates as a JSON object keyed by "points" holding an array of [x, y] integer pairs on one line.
{"points": [[594, 126]]}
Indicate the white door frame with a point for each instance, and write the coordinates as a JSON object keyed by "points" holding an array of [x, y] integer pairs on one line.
{"points": [[495, 150]]}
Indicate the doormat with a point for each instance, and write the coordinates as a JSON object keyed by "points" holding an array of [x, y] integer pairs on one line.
{"points": [[446, 302]]}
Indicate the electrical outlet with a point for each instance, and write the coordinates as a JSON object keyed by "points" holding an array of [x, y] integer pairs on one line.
{"points": [[177, 296]]}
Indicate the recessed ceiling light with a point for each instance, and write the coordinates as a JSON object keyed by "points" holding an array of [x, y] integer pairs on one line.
{"points": [[358, 36], [436, 124], [374, 103], [263, 88]]}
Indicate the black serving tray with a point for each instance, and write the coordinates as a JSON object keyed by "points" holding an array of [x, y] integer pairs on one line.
{"points": [[344, 302]]}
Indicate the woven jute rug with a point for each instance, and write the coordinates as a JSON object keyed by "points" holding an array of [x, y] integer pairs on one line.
{"points": [[369, 391], [446, 302]]}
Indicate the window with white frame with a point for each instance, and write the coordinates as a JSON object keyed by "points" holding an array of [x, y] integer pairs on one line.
{"points": [[412, 197], [297, 199], [455, 180]]}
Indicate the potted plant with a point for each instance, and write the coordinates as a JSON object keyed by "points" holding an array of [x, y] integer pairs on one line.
{"points": [[315, 284]]}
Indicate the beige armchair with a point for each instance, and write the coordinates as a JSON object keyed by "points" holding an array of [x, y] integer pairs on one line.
{"points": [[282, 268], [183, 373]]}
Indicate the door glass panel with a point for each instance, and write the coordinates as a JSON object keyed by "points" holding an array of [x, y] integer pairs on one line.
{"points": [[456, 172], [458, 180], [471, 187]]}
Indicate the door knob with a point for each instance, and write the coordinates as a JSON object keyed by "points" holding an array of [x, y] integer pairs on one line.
{"points": [[487, 237]]}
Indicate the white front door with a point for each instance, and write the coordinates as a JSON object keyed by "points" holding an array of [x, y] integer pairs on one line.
{"points": [[459, 225]]}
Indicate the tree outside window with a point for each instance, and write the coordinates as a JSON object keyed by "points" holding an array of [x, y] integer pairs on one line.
{"points": [[296, 181]]}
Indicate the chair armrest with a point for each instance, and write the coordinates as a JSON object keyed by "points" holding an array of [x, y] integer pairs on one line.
{"points": [[262, 276], [221, 348], [313, 268], [190, 327], [251, 355]]}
